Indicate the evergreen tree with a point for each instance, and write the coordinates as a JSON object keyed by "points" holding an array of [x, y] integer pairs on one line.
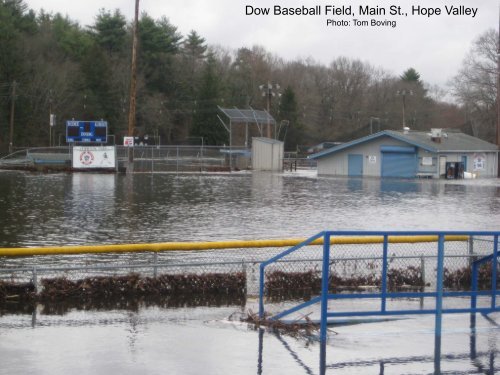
{"points": [[291, 130], [70, 37], [193, 53], [205, 121], [158, 44], [411, 75], [110, 31]]}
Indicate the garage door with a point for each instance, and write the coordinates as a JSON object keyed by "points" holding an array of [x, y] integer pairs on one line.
{"points": [[398, 161]]}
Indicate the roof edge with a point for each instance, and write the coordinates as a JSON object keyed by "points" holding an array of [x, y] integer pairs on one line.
{"points": [[367, 138]]}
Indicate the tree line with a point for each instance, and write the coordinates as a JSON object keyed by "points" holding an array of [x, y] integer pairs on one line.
{"points": [[51, 65]]}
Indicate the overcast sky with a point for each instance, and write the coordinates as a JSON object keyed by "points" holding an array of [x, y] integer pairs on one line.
{"points": [[435, 46]]}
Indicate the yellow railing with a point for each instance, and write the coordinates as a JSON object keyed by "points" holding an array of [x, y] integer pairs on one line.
{"points": [[214, 245]]}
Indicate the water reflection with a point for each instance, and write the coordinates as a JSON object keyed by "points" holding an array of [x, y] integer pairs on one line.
{"points": [[100, 208], [89, 202], [389, 185], [480, 362]]}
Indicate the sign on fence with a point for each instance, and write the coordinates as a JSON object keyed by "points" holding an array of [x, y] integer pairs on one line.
{"points": [[94, 157], [128, 141]]}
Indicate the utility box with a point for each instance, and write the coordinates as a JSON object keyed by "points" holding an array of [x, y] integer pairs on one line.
{"points": [[267, 154]]}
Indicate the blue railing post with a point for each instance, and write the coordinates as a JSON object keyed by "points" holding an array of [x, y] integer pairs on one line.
{"points": [[474, 285], [261, 291], [439, 285], [384, 272], [324, 286], [324, 302], [494, 266]]}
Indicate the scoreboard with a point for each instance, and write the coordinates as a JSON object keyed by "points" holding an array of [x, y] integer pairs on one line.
{"points": [[86, 131]]}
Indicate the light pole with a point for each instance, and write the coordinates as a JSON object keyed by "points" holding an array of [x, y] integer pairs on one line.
{"points": [[403, 93], [52, 119], [11, 121], [267, 91], [371, 123]]}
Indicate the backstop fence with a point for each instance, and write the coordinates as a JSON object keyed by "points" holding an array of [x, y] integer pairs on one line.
{"points": [[149, 159]]}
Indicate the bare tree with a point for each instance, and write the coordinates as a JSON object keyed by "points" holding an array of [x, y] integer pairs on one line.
{"points": [[475, 85]]}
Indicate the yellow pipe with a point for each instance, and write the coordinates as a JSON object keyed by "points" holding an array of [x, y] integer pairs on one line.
{"points": [[197, 246]]}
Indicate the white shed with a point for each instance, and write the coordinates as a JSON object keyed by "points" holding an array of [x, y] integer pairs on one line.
{"points": [[267, 154]]}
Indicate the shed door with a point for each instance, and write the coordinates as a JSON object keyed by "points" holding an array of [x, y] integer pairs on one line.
{"points": [[399, 162], [354, 165]]}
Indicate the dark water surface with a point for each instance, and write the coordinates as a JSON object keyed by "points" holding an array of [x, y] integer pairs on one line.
{"points": [[63, 209]]}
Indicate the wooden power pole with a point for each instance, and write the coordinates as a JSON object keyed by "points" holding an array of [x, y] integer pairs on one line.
{"points": [[133, 85]]}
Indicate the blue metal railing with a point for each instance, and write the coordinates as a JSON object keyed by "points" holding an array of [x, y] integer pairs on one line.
{"points": [[439, 294]]}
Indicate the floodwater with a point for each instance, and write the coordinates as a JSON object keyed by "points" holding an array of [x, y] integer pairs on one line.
{"points": [[63, 209], [53, 209]]}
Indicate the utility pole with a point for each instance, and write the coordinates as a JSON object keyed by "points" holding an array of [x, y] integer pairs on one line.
{"points": [[133, 84], [403, 93], [12, 110], [267, 91], [371, 123]]}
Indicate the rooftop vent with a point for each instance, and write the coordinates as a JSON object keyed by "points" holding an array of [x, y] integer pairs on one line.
{"points": [[436, 135]]}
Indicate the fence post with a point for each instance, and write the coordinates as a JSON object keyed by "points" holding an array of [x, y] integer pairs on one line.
{"points": [[474, 286], [384, 273], [324, 286], [439, 286], [261, 291], [494, 266], [471, 250], [201, 153], [422, 269], [155, 264], [35, 279], [324, 302]]}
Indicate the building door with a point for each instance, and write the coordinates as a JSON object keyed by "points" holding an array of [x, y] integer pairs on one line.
{"points": [[464, 160], [399, 161], [354, 165], [442, 166]]}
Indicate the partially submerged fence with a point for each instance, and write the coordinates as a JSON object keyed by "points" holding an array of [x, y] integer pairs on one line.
{"points": [[149, 159], [464, 273], [459, 270], [356, 263]]}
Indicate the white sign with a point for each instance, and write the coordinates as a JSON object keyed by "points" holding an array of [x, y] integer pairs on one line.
{"points": [[94, 157], [427, 160], [479, 162], [372, 159], [128, 141]]}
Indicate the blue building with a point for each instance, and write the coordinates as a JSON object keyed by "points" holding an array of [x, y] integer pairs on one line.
{"points": [[440, 153]]}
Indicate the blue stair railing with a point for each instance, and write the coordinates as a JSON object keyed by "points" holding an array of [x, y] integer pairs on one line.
{"points": [[438, 294]]}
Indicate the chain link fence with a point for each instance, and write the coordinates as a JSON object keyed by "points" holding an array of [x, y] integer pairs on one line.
{"points": [[358, 267], [297, 275], [149, 159]]}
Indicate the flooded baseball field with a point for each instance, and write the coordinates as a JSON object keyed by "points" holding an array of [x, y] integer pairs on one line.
{"points": [[207, 336]]}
